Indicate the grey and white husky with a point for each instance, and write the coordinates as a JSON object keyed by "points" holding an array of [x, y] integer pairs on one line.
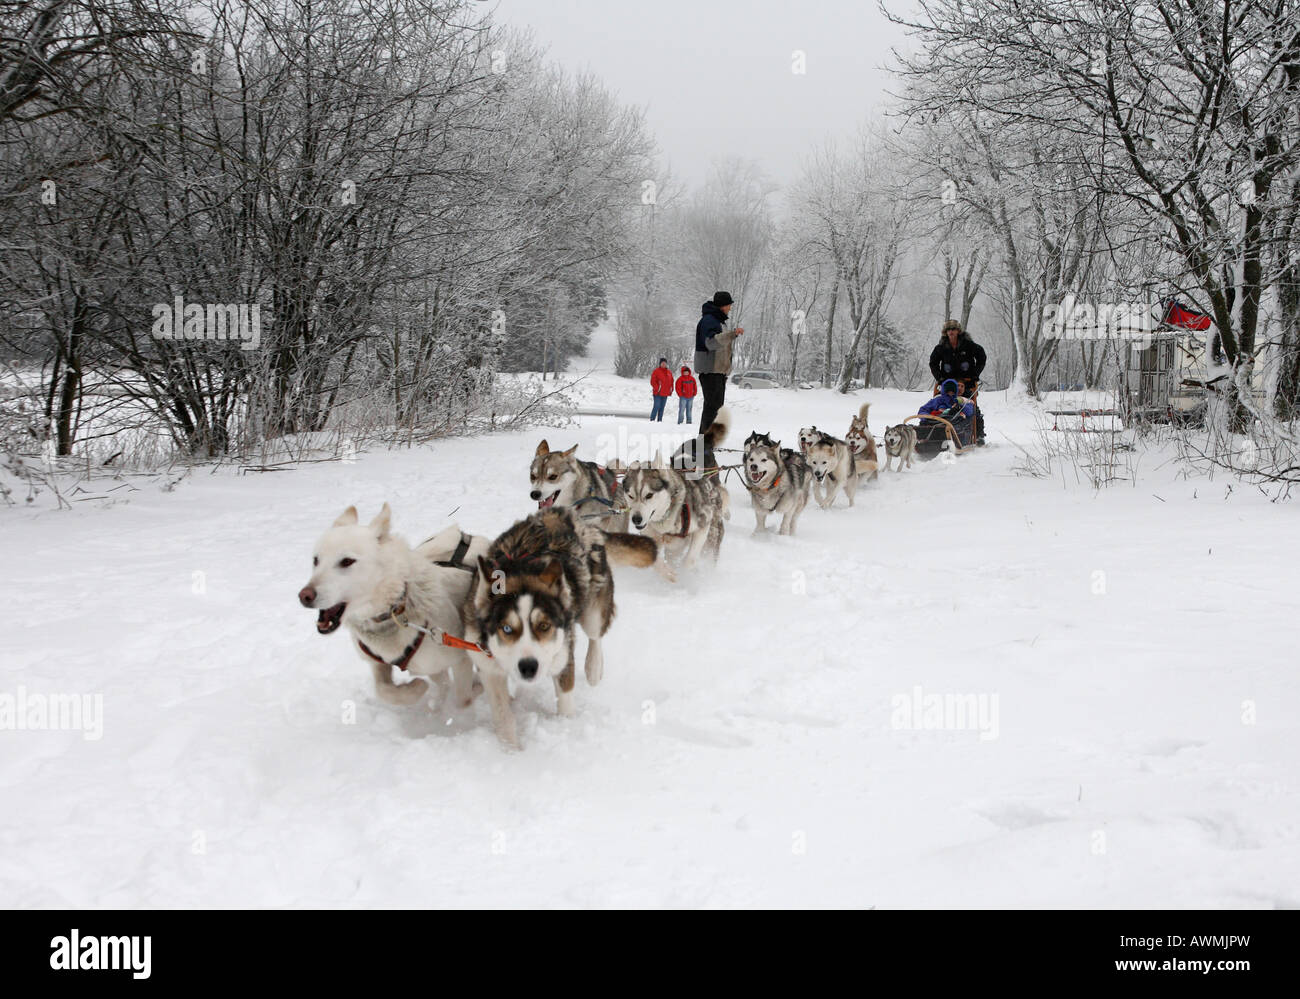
{"points": [[681, 510], [537, 583], [834, 468], [371, 580], [777, 479], [900, 443], [560, 480]]}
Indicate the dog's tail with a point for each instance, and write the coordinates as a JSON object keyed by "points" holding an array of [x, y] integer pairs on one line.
{"points": [[717, 431], [862, 413], [631, 549]]}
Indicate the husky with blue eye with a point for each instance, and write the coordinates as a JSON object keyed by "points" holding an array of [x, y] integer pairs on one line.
{"points": [[537, 583]]}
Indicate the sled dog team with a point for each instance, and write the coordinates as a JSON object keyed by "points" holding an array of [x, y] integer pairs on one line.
{"points": [[510, 608]]}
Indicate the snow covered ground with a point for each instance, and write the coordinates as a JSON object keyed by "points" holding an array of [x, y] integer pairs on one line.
{"points": [[763, 734]]}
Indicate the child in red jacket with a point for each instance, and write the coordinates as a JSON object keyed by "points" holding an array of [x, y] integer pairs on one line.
{"points": [[686, 389], [661, 384]]}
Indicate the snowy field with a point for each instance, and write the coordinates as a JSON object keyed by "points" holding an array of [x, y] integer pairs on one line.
{"points": [[763, 735]]}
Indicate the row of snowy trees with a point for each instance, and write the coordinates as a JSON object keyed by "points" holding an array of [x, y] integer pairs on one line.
{"points": [[812, 269], [1113, 152], [406, 196], [1121, 152]]}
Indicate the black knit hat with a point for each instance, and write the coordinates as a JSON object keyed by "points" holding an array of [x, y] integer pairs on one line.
{"points": [[721, 298]]}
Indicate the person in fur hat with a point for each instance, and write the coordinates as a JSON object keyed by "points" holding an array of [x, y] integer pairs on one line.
{"points": [[957, 356]]}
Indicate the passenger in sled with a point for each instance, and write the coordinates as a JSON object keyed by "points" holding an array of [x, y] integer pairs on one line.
{"points": [[949, 414]]}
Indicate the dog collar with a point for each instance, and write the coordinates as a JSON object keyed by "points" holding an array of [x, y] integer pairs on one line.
{"points": [[394, 613], [402, 661]]}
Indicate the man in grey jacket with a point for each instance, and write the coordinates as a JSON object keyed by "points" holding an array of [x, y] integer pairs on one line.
{"points": [[713, 354]]}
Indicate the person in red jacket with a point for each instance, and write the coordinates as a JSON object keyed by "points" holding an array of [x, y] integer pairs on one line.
{"points": [[661, 384], [686, 389]]}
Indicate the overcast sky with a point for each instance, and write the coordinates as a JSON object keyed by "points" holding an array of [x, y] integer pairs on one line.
{"points": [[715, 75]]}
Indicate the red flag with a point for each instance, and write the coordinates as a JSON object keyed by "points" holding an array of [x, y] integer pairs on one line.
{"points": [[1185, 318]]}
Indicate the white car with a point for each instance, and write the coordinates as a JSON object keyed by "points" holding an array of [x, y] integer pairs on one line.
{"points": [[756, 380]]}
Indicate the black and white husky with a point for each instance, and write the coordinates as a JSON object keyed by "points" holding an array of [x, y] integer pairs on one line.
{"points": [[682, 510], [777, 479], [560, 480], [537, 583]]}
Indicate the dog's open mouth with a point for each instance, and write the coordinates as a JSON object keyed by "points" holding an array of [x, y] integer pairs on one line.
{"points": [[755, 475], [543, 504], [330, 618]]}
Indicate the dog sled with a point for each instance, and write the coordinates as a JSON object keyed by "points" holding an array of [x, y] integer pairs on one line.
{"points": [[935, 433], [938, 433]]}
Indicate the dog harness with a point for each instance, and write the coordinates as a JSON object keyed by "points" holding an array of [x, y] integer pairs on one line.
{"points": [[397, 614], [686, 523], [610, 478], [457, 560]]}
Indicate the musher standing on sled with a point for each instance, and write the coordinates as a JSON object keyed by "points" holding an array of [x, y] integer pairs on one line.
{"points": [[713, 354], [959, 357]]}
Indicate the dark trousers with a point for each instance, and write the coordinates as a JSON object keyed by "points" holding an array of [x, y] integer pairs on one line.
{"points": [[714, 389], [657, 410]]}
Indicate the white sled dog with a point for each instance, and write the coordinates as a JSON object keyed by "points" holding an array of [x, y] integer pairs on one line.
{"points": [[900, 443], [371, 580], [862, 443], [683, 511], [777, 479], [536, 584], [833, 468]]}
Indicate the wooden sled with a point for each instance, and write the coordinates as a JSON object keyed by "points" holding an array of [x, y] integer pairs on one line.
{"points": [[932, 445]]}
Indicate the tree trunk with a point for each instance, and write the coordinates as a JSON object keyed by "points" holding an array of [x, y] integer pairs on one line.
{"points": [[830, 335], [70, 391]]}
